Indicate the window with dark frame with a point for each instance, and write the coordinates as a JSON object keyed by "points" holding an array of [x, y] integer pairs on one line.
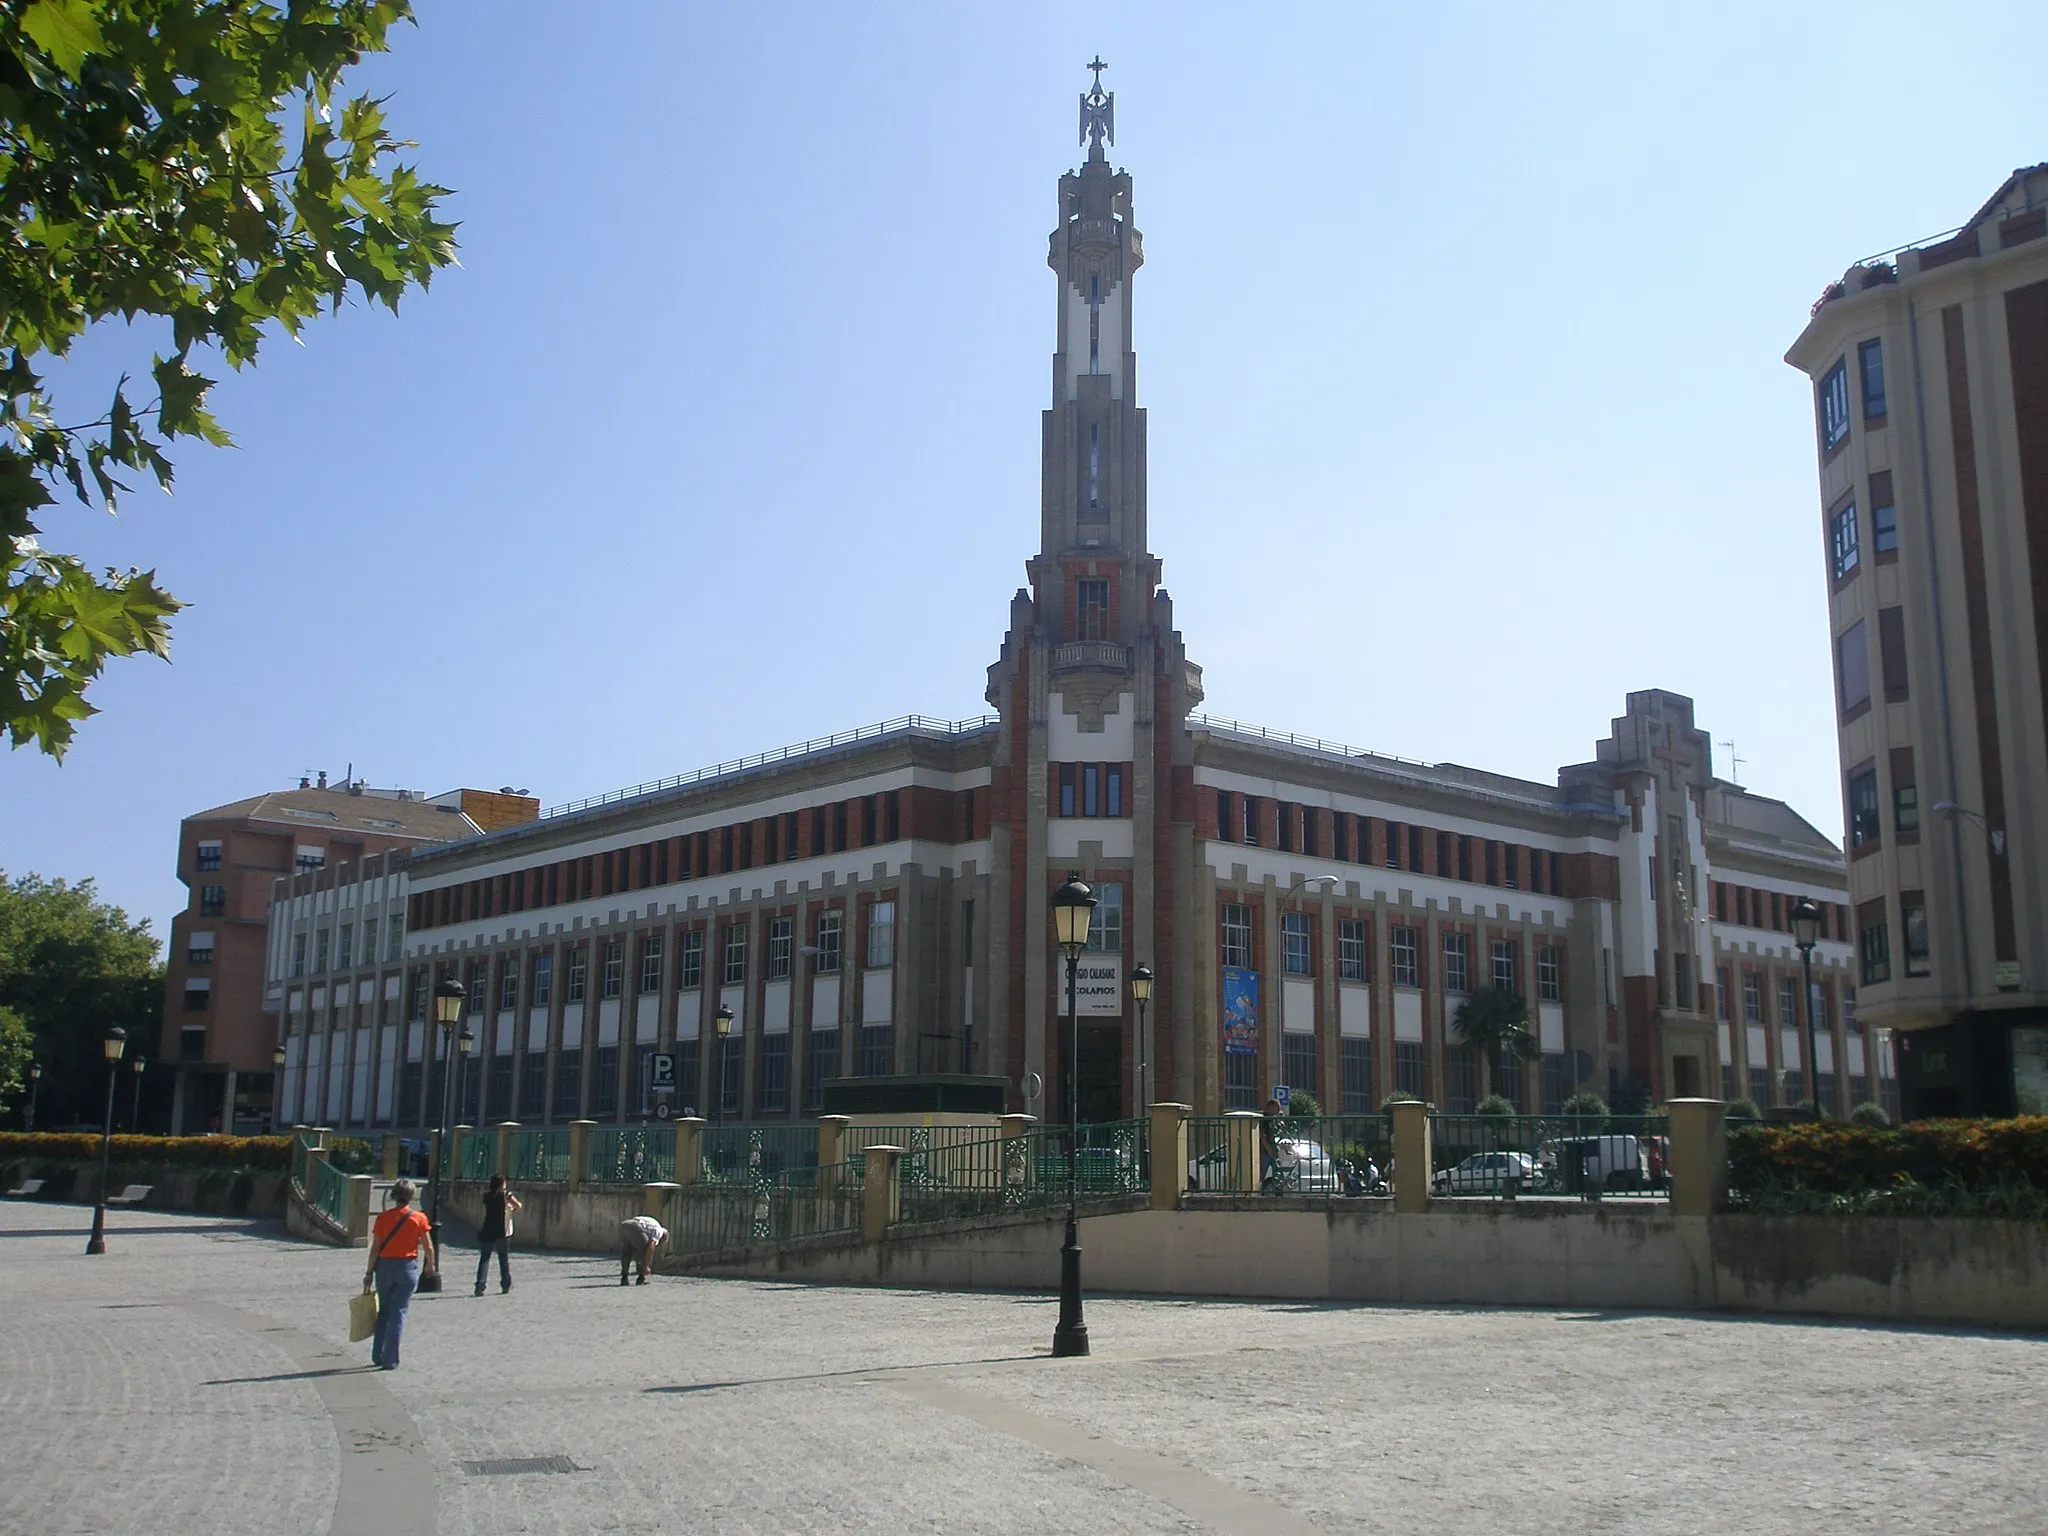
{"points": [[1106, 925], [881, 952], [1870, 364], [1913, 933], [772, 1089], [1294, 947], [1873, 943], [1891, 653], [779, 948], [1864, 827], [1832, 405], [650, 963], [213, 900], [826, 942], [1457, 963], [1549, 981], [823, 1065], [692, 976], [209, 856], [541, 989], [1884, 517], [1843, 548], [1852, 670], [614, 973], [1091, 598], [1504, 967], [579, 960], [733, 958], [1113, 785]]}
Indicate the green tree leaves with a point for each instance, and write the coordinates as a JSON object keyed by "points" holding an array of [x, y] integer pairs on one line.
{"points": [[70, 966], [146, 170]]}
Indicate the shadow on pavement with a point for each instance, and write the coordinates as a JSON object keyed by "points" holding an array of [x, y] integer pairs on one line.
{"points": [[250, 1381], [859, 1371]]}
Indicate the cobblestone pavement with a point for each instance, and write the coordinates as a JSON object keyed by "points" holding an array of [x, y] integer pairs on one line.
{"points": [[195, 1379]]}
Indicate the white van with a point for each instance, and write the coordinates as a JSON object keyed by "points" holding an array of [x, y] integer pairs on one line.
{"points": [[1577, 1164]]}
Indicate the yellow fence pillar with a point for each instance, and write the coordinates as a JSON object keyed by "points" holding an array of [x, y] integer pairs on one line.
{"points": [[387, 1155], [578, 1130], [1169, 1154], [832, 1131], [881, 1201], [689, 1148], [1412, 1156], [1241, 1152], [654, 1199], [1699, 1156], [501, 1163], [359, 1208]]}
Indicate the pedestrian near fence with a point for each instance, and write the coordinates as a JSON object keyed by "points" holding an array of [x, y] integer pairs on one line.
{"points": [[400, 1242], [639, 1236], [494, 1235]]}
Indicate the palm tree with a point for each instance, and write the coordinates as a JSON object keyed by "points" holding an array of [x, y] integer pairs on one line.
{"points": [[1495, 1021]]}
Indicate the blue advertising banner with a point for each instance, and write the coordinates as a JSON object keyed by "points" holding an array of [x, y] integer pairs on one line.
{"points": [[1240, 1010]]}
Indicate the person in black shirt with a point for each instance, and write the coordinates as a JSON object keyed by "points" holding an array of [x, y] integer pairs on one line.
{"points": [[494, 1235]]}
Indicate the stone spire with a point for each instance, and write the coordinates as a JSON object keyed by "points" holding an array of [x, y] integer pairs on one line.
{"points": [[1098, 113]]}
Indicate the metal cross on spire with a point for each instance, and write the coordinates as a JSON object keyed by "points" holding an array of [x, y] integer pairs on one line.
{"points": [[1098, 113]]}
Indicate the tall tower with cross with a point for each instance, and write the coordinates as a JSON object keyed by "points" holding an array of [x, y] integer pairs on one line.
{"points": [[1093, 684]]}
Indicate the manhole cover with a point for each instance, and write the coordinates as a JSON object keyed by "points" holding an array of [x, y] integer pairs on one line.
{"points": [[505, 1466]]}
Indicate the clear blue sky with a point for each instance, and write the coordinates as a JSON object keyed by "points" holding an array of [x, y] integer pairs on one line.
{"points": [[1461, 333]]}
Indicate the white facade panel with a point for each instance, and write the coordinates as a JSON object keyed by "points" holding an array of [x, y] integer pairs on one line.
{"points": [[689, 1014], [1298, 1005], [876, 995], [387, 1070], [572, 1027], [1407, 1014], [1354, 1012], [536, 1030], [607, 1022], [1550, 1027], [1066, 742], [775, 1008], [359, 1086], [1064, 836], [825, 1003]]}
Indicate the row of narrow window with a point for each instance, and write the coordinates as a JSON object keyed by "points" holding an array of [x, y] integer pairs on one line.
{"points": [[864, 822], [1404, 957], [1358, 839]]}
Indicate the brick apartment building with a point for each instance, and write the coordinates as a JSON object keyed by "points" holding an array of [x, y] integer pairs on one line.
{"points": [[216, 1032], [878, 903], [1930, 373]]}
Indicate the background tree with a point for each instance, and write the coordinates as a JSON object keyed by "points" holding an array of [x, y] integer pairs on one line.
{"points": [[17, 1050], [71, 965], [1495, 1021], [187, 160]]}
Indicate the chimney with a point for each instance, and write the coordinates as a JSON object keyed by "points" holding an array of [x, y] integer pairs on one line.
{"points": [[323, 778], [304, 782]]}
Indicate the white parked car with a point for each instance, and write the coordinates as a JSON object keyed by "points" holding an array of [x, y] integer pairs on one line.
{"points": [[1302, 1168], [1486, 1173]]}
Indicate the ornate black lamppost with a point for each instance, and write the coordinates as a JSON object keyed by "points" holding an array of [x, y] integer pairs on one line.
{"points": [[1073, 904], [721, 1023], [1141, 994], [449, 997], [136, 1065], [35, 1083], [1805, 933], [276, 1084], [114, 1042]]}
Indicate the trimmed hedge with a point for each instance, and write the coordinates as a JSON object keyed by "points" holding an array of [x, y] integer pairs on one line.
{"points": [[1832, 1158], [164, 1151]]}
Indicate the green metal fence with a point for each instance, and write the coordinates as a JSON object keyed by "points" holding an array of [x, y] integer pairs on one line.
{"points": [[629, 1154], [327, 1190], [1223, 1155], [800, 1202], [1579, 1157], [745, 1153], [539, 1156], [479, 1156], [305, 1147]]}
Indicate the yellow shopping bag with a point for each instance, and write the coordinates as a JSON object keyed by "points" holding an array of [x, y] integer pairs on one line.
{"points": [[362, 1316]]}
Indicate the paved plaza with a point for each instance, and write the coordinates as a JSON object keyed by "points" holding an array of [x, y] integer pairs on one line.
{"points": [[195, 1380]]}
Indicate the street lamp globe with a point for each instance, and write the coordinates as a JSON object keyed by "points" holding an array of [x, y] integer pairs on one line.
{"points": [[722, 1021], [277, 1056], [466, 1041], [1141, 983], [1805, 923], [1073, 904], [136, 1064], [114, 1043], [449, 996]]}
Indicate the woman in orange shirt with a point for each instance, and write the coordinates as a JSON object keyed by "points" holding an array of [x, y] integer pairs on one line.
{"points": [[400, 1239]]}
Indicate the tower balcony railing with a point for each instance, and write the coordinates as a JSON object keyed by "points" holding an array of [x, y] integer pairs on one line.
{"points": [[1091, 656]]}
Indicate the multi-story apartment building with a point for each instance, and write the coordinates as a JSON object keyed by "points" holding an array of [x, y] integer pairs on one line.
{"points": [[215, 1029], [878, 903], [1930, 375]]}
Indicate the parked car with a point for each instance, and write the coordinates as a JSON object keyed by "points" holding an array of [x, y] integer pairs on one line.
{"points": [[1486, 1173], [1576, 1164], [1312, 1172]]}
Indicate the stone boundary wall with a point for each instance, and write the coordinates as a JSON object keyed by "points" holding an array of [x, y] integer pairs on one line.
{"points": [[584, 1219], [1990, 1273]]}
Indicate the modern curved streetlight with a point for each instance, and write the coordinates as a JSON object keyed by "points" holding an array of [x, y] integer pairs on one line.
{"points": [[1805, 919], [1995, 834], [112, 1044], [1073, 905]]}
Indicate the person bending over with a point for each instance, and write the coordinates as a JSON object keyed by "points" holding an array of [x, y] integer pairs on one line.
{"points": [[639, 1236]]}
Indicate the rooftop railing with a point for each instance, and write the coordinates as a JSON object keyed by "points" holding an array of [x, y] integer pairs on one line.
{"points": [[905, 725]]}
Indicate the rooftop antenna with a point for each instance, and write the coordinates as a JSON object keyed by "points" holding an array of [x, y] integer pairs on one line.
{"points": [[1734, 763]]}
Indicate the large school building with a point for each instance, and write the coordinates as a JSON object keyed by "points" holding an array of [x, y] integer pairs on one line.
{"points": [[878, 903]]}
